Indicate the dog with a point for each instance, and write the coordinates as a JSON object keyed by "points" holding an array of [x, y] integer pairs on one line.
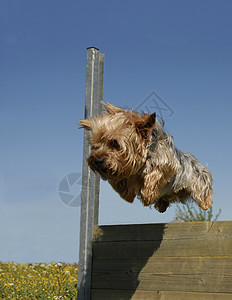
{"points": [[138, 158]]}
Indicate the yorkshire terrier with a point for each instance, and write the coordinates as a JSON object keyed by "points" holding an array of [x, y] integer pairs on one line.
{"points": [[137, 157]]}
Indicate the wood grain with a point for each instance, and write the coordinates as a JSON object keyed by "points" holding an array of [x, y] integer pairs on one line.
{"points": [[163, 261], [158, 295]]}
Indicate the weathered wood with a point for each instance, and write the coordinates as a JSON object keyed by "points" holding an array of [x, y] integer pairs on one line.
{"points": [[157, 232], [173, 247], [169, 273], [163, 261], [157, 295], [123, 295]]}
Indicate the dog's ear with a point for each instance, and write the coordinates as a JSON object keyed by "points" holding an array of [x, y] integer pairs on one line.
{"points": [[148, 123], [86, 123], [111, 109]]}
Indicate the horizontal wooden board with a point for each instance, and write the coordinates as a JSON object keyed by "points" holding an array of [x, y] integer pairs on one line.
{"points": [[156, 232], [156, 295], [123, 295], [172, 247], [195, 274]]}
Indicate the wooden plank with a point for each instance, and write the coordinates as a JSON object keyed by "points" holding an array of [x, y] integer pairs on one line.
{"points": [[156, 295], [128, 232], [196, 274], [156, 232], [172, 247], [123, 295], [166, 295]]}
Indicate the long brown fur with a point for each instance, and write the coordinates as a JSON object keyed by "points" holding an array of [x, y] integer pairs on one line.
{"points": [[137, 157]]}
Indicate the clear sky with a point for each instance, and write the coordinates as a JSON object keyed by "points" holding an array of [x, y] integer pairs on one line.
{"points": [[181, 50]]}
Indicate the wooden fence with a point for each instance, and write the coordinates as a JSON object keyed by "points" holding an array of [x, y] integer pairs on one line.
{"points": [[171, 261]]}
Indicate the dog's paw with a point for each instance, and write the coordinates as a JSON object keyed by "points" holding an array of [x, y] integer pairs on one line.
{"points": [[207, 202], [161, 206]]}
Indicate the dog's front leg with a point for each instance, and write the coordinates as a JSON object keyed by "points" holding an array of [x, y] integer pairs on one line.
{"points": [[154, 182], [124, 188], [150, 189]]}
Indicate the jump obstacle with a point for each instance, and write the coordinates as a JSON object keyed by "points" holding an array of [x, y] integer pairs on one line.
{"points": [[174, 261]]}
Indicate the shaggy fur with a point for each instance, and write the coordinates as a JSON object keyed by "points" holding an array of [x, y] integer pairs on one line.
{"points": [[137, 157]]}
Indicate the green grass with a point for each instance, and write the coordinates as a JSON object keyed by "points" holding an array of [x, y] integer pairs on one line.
{"points": [[38, 281]]}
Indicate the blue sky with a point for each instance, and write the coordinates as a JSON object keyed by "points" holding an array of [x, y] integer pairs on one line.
{"points": [[179, 49]]}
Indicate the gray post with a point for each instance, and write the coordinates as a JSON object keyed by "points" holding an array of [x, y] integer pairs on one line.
{"points": [[90, 181]]}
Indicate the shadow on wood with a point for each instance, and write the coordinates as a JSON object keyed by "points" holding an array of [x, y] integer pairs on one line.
{"points": [[119, 255], [163, 261]]}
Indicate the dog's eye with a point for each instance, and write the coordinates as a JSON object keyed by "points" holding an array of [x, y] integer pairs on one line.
{"points": [[95, 147], [114, 144]]}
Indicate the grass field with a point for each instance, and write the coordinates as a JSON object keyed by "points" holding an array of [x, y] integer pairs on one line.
{"points": [[38, 281]]}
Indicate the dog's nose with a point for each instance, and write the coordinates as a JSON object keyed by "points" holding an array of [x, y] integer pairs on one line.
{"points": [[99, 162]]}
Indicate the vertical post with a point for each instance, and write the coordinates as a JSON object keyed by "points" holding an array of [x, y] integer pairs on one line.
{"points": [[90, 180]]}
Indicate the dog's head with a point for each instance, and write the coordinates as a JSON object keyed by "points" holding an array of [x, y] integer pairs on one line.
{"points": [[119, 141]]}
